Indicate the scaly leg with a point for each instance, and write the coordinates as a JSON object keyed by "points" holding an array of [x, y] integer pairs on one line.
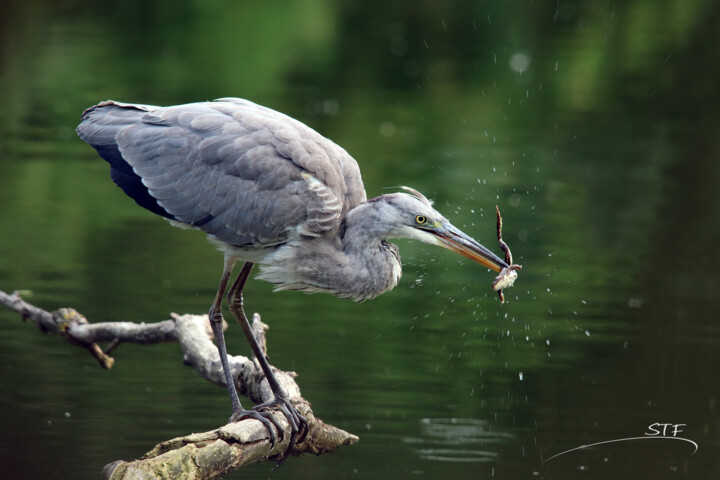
{"points": [[298, 423], [216, 321]]}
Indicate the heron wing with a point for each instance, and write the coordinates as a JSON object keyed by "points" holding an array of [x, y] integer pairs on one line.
{"points": [[245, 174]]}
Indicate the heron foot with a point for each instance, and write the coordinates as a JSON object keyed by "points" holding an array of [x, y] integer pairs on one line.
{"points": [[263, 417], [264, 414], [298, 423]]}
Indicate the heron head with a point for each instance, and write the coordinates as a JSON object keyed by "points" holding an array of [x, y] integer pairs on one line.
{"points": [[411, 215]]}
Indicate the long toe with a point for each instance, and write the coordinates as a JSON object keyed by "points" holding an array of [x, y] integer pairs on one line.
{"points": [[265, 418], [298, 423], [299, 430]]}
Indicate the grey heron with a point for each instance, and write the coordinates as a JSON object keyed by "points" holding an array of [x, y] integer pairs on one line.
{"points": [[267, 189]]}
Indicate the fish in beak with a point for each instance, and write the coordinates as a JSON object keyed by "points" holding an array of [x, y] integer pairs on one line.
{"points": [[450, 237]]}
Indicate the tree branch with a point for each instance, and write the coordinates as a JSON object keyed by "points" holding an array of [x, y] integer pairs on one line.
{"points": [[207, 455]]}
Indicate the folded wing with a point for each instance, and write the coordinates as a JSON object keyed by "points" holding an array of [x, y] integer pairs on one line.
{"points": [[244, 174]]}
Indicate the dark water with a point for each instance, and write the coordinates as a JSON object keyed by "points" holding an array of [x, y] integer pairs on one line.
{"points": [[593, 124]]}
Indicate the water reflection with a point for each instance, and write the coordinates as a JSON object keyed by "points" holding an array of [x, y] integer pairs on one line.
{"points": [[438, 434]]}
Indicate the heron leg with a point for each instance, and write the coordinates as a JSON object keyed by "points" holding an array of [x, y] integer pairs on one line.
{"points": [[298, 422], [216, 323]]}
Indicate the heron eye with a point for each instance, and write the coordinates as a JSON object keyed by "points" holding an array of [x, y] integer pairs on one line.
{"points": [[420, 219]]}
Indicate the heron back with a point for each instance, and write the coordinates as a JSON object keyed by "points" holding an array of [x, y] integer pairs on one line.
{"points": [[245, 174]]}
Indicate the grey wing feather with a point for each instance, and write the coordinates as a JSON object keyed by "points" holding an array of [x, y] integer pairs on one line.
{"points": [[243, 173]]}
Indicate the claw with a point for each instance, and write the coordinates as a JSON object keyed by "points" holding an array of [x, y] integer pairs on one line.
{"points": [[298, 423], [265, 418], [263, 413]]}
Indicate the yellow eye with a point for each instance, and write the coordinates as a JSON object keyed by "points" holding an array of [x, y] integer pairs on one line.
{"points": [[420, 219]]}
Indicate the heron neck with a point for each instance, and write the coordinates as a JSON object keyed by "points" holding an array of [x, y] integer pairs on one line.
{"points": [[358, 264], [373, 262]]}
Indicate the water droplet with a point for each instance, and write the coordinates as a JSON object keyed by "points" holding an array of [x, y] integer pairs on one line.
{"points": [[519, 62], [330, 106]]}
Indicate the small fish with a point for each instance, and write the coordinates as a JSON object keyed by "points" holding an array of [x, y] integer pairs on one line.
{"points": [[507, 275], [505, 279]]}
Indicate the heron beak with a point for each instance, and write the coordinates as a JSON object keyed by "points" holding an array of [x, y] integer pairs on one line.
{"points": [[455, 240]]}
